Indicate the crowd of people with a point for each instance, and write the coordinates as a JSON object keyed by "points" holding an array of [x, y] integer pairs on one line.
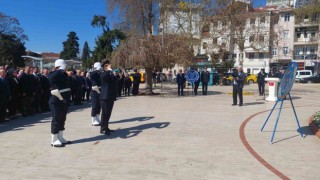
{"points": [[26, 91]]}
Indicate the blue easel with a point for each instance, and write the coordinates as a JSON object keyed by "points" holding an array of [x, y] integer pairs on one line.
{"points": [[284, 90]]}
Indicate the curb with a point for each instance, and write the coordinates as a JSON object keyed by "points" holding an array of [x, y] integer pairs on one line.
{"points": [[313, 127]]}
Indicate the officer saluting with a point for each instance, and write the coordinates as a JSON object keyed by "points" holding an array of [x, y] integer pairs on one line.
{"points": [[59, 102], [95, 94], [107, 96]]}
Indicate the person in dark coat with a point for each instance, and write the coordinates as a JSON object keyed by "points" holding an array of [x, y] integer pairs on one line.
{"points": [[261, 81], [127, 84], [237, 82], [136, 83], [181, 80], [45, 85], [95, 94], [26, 92], [88, 86], [59, 102], [5, 94], [37, 89], [72, 85], [205, 76], [108, 96], [14, 91], [196, 84], [78, 84]]}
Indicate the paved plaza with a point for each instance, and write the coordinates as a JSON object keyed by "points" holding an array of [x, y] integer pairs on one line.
{"points": [[170, 137]]}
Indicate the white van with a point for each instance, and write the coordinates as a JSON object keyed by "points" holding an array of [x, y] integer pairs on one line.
{"points": [[303, 74]]}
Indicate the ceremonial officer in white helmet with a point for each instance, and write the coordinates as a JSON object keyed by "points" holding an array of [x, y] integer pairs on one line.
{"points": [[95, 94], [59, 102]]}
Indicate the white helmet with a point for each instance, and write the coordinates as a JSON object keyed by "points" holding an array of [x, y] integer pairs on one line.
{"points": [[97, 65], [60, 63]]}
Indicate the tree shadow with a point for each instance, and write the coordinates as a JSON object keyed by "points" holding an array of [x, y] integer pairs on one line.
{"points": [[24, 122], [146, 118], [124, 133]]}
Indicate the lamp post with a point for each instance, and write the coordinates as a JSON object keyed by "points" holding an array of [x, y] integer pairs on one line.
{"points": [[305, 48]]}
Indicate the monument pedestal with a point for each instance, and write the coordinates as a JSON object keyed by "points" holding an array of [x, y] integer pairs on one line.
{"points": [[273, 87]]}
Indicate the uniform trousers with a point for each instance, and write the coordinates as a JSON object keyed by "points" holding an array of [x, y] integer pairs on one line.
{"points": [[59, 112], [106, 106], [96, 107]]}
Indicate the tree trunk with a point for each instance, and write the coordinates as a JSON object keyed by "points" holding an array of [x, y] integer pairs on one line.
{"points": [[149, 81]]}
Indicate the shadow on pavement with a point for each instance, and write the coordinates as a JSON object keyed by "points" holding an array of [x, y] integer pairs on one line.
{"points": [[252, 103], [24, 122], [124, 133], [305, 131], [133, 119]]}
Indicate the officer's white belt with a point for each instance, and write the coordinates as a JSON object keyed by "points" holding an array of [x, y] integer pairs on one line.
{"points": [[64, 90]]}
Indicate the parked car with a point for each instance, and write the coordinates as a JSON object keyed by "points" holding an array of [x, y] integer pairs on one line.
{"points": [[303, 74], [312, 79], [250, 78]]}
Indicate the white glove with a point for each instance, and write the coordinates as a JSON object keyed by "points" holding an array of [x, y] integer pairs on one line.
{"points": [[57, 94], [96, 88]]}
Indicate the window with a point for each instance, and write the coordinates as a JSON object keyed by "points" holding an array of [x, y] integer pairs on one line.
{"points": [[285, 50], [251, 55], [306, 17], [261, 55], [298, 35], [234, 56], [274, 51], [312, 50], [308, 73], [314, 17], [285, 34], [287, 17], [215, 40], [261, 38], [262, 19], [235, 40], [251, 39], [204, 45], [252, 21], [313, 34]]}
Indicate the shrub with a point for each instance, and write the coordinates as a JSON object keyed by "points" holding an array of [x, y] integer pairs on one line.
{"points": [[317, 118]]}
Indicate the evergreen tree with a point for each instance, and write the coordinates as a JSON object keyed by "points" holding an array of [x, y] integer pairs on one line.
{"points": [[86, 60], [11, 50], [105, 42], [70, 47]]}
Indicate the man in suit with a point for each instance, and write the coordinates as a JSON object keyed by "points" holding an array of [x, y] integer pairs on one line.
{"points": [[95, 94], [59, 102], [37, 89], [26, 92], [205, 76], [45, 84], [136, 83], [181, 80], [108, 96], [261, 81], [78, 84], [196, 84], [5, 94], [14, 90], [237, 83]]}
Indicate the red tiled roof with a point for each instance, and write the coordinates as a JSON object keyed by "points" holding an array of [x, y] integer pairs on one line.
{"points": [[50, 55]]}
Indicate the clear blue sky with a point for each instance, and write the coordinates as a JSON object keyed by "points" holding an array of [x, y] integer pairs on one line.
{"points": [[48, 22]]}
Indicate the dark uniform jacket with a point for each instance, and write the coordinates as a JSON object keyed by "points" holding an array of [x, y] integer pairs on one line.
{"points": [[136, 78], [127, 82], [45, 85], [108, 86], [238, 79], [181, 79], [59, 80], [205, 76], [261, 77], [95, 81]]}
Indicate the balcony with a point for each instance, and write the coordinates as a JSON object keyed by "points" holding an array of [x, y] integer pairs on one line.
{"points": [[303, 41], [308, 56]]}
